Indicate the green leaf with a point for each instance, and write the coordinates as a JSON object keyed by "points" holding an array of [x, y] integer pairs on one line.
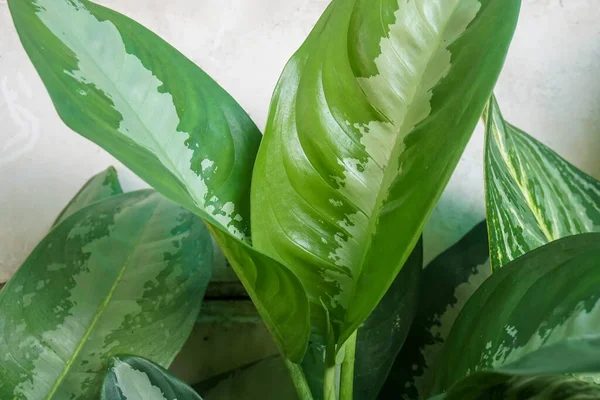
{"points": [[533, 195], [99, 187], [130, 377], [124, 275], [367, 123], [446, 285], [384, 332], [506, 387], [546, 302], [121, 86]]}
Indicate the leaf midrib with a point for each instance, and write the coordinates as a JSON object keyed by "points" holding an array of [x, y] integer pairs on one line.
{"points": [[523, 189], [101, 308]]}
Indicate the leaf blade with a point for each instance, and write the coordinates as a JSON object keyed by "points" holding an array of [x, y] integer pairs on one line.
{"points": [[341, 145], [533, 195]]}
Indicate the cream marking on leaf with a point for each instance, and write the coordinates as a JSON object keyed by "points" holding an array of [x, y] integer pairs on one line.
{"points": [[105, 63], [414, 58], [134, 384]]}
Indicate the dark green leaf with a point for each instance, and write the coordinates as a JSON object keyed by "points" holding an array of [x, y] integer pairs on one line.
{"points": [[121, 86], [546, 302], [533, 195], [446, 285], [123, 275], [367, 123], [383, 333], [135, 378], [99, 187]]}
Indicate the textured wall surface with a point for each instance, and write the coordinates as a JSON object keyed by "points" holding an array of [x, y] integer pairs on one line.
{"points": [[549, 87]]}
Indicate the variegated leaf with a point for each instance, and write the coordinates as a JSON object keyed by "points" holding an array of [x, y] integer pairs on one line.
{"points": [[539, 313], [121, 86], [99, 187], [506, 387], [446, 285], [124, 275], [533, 195], [367, 123], [135, 378]]}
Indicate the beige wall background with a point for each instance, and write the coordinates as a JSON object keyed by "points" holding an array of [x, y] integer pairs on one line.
{"points": [[550, 87]]}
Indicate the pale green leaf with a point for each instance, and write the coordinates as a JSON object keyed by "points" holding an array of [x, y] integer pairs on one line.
{"points": [[135, 378], [99, 187], [123, 275], [533, 195], [544, 305], [121, 86], [446, 285], [367, 123]]}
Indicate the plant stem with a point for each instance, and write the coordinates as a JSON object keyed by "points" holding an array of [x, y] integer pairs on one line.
{"points": [[329, 390], [299, 380], [347, 372]]}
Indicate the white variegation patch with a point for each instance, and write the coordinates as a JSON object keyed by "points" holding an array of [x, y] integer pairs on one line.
{"points": [[441, 329], [134, 384], [414, 58], [149, 116]]}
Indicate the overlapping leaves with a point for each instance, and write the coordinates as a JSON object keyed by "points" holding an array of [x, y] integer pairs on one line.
{"points": [[118, 84], [538, 315], [122, 275]]}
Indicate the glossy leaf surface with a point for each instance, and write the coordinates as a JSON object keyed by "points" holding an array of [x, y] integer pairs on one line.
{"points": [[367, 123], [533, 195], [121, 86], [547, 302], [124, 275], [446, 285], [135, 378], [101, 186]]}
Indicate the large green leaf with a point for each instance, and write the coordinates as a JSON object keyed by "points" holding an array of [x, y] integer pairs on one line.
{"points": [[135, 378], [446, 285], [101, 186], [121, 86], [367, 123], [124, 275], [547, 302], [533, 195]]}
